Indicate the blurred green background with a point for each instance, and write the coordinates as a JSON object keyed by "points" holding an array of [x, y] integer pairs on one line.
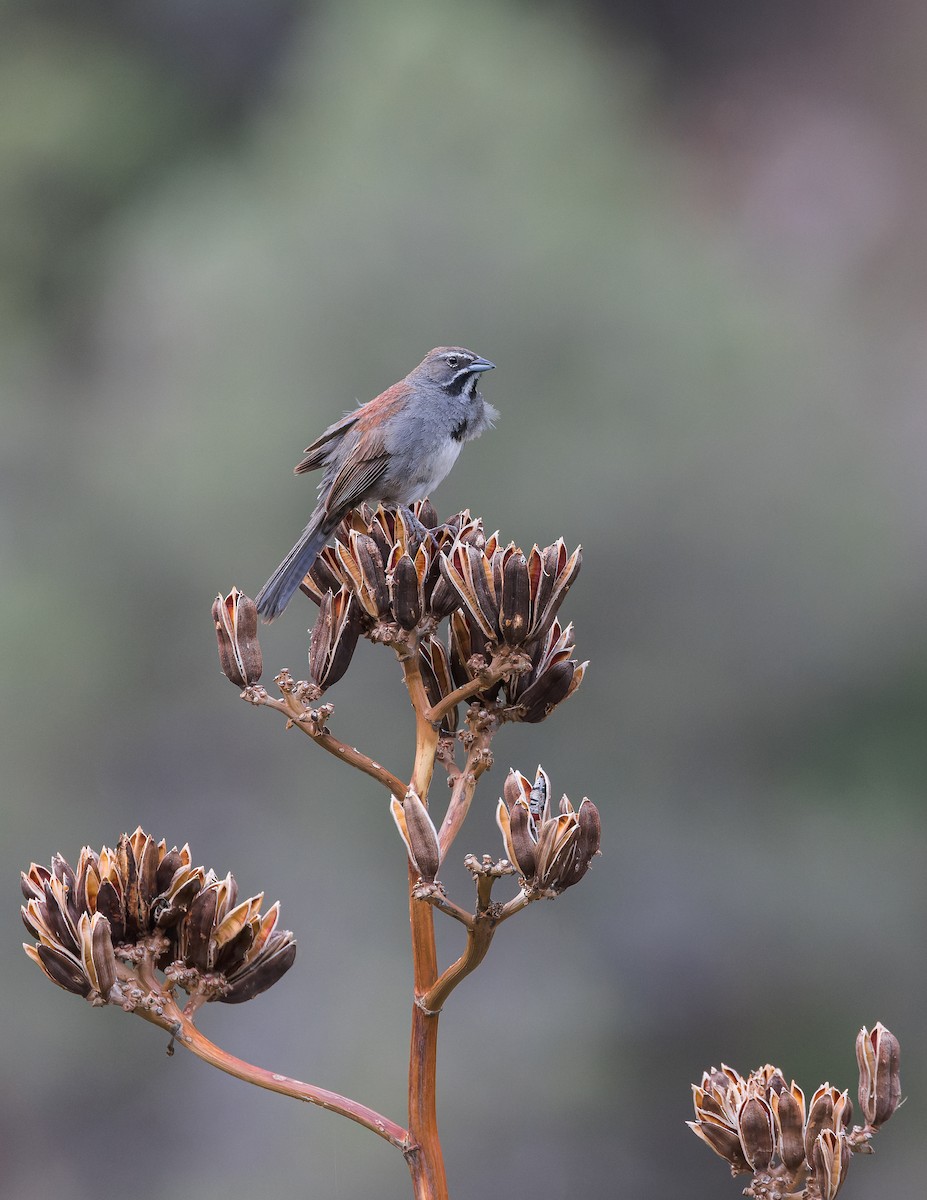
{"points": [[692, 237]]}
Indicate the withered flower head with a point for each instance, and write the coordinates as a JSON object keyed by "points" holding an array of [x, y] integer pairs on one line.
{"points": [[759, 1124], [387, 558], [235, 619], [550, 853], [144, 904], [402, 571]]}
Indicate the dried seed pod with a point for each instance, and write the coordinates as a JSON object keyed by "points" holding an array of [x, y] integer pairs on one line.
{"points": [[424, 511], [372, 592], [436, 675], [515, 607], [523, 847], [723, 1140], [830, 1160], [878, 1055], [97, 952], [334, 637], [463, 568], [789, 1108], [542, 696], [757, 1132], [235, 619], [515, 788], [262, 972], [324, 576], [405, 593], [417, 830], [61, 968]]}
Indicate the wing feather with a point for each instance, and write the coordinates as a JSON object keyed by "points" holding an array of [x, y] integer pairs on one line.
{"points": [[354, 483], [317, 454]]}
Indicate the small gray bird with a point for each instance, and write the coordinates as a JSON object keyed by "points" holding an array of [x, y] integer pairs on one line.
{"points": [[394, 449]]}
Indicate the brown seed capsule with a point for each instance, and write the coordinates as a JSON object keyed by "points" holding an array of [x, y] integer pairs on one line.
{"points": [[515, 788], [515, 608], [559, 573], [263, 972], [334, 637], [463, 568], [60, 968], [424, 511], [820, 1115], [523, 846], [405, 592], [723, 1140], [324, 576], [830, 1161], [419, 834], [98, 952], [196, 929], [235, 618], [423, 837], [583, 847], [543, 695], [436, 675], [789, 1109], [878, 1055], [757, 1132], [373, 593]]}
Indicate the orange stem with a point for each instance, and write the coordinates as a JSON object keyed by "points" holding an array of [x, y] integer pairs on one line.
{"points": [[426, 1160], [188, 1036]]}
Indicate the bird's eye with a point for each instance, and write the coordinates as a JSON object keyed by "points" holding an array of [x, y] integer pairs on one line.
{"points": [[452, 360]]}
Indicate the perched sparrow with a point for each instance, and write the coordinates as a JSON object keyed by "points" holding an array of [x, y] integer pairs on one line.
{"points": [[395, 448]]}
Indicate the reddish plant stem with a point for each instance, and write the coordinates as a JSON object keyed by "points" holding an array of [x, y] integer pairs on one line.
{"points": [[425, 1157], [182, 1029], [479, 937], [479, 759]]}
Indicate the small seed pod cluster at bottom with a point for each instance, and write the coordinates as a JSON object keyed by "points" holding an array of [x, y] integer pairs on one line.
{"points": [[142, 902], [763, 1126]]}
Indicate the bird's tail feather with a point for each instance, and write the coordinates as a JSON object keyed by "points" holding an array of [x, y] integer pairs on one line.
{"points": [[276, 593]]}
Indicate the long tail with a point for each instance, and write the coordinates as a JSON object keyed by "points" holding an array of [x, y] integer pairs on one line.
{"points": [[276, 593]]}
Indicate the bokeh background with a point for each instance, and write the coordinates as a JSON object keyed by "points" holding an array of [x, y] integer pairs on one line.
{"points": [[693, 239]]}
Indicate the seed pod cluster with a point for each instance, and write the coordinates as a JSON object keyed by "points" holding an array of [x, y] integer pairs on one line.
{"points": [[91, 924], [551, 853], [761, 1125], [390, 571]]}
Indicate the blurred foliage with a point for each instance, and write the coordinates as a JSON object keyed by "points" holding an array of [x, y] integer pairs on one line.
{"points": [[219, 226]]}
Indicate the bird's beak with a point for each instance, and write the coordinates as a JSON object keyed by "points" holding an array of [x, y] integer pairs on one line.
{"points": [[482, 364]]}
